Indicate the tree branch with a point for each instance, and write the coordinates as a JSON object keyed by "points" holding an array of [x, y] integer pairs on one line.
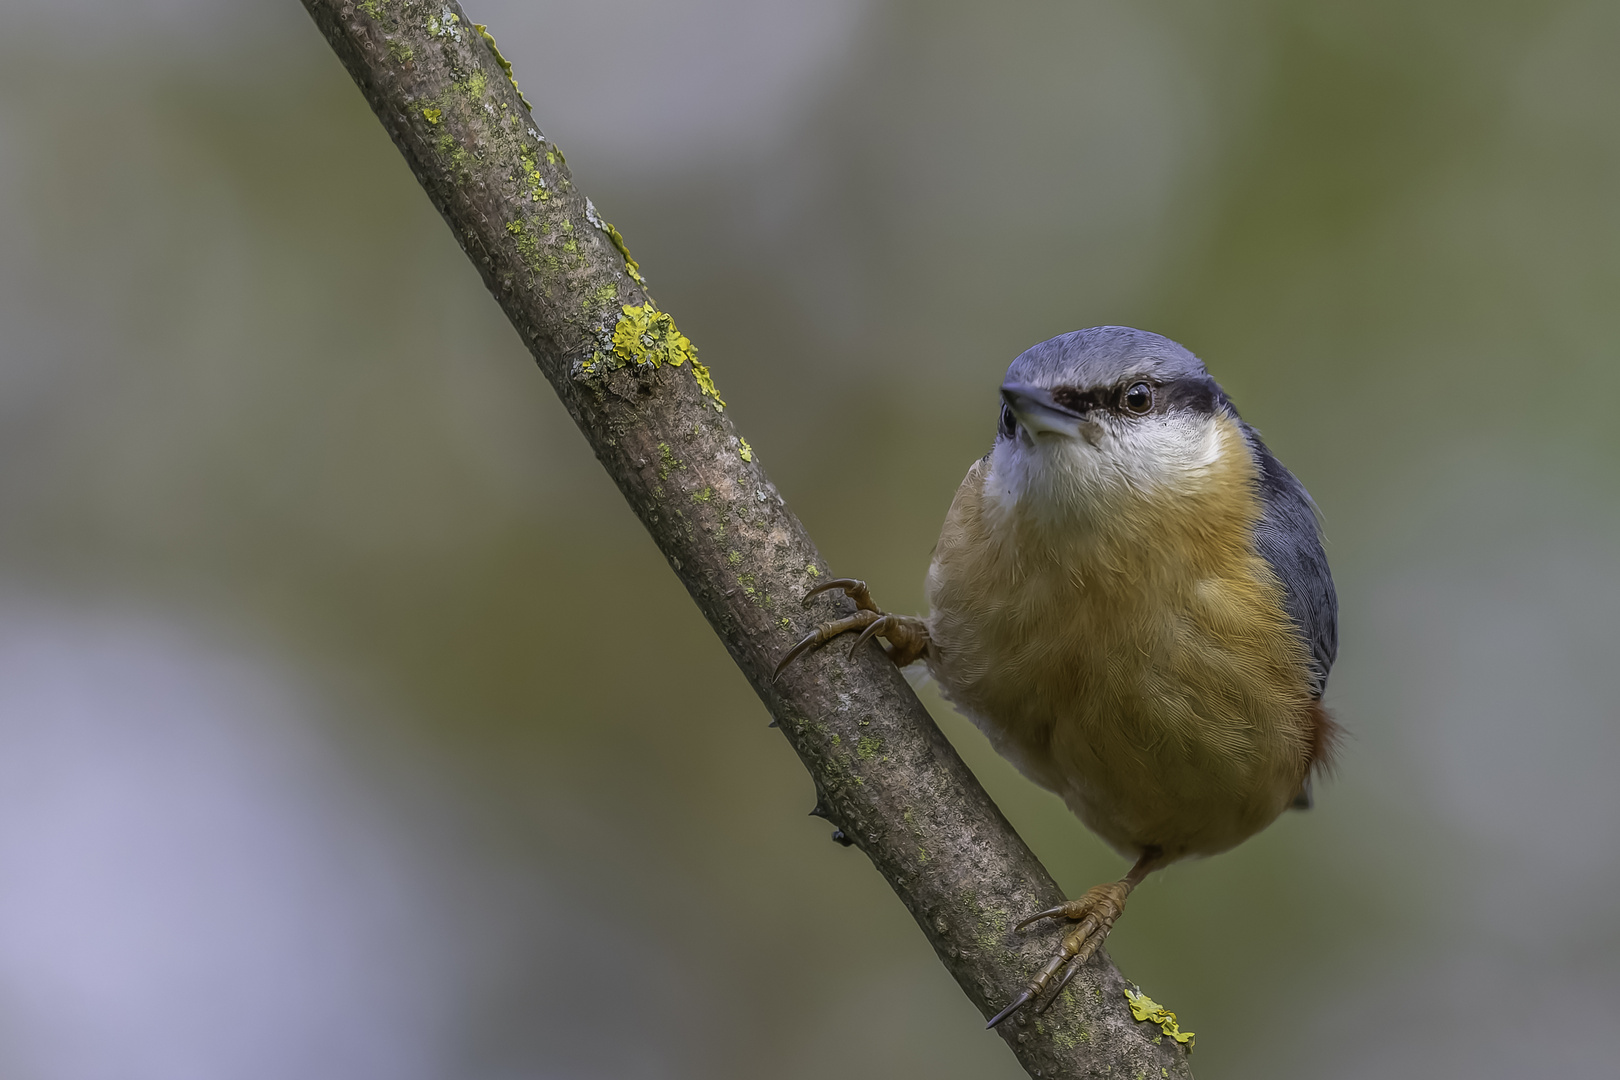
{"points": [[882, 770]]}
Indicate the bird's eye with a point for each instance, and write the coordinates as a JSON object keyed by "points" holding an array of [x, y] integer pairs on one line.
{"points": [[1139, 398], [1008, 424]]}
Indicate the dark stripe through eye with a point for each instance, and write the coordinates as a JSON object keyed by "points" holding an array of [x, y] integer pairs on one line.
{"points": [[1197, 394], [1072, 399]]}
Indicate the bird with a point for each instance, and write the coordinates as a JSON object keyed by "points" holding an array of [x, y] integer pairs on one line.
{"points": [[1130, 599]]}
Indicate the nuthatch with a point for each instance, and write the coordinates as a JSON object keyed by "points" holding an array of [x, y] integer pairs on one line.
{"points": [[1130, 598]]}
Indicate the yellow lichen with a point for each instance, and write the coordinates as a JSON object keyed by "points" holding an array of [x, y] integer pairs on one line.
{"points": [[433, 115], [537, 183], [448, 28], [744, 451], [810, 568], [506, 65], [645, 335], [630, 263], [706, 384], [1145, 1008], [595, 217], [528, 245]]}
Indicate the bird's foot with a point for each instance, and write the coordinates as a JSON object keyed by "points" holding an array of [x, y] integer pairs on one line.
{"points": [[907, 635], [1093, 914]]}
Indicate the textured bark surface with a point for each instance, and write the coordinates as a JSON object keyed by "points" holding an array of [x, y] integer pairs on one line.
{"points": [[884, 774]]}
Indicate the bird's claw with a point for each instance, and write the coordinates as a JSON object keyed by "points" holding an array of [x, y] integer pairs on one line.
{"points": [[1024, 998], [854, 588], [907, 636], [1093, 914], [1057, 991], [878, 626], [1049, 913], [826, 632]]}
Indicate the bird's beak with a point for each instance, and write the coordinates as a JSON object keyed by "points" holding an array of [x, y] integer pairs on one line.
{"points": [[1038, 413]]}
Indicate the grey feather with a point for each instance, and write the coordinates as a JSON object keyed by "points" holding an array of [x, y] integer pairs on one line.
{"points": [[1288, 538]]}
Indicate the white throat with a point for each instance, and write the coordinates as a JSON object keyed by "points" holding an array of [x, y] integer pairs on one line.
{"points": [[1111, 467]]}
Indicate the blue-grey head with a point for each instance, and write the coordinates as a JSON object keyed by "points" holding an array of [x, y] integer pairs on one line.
{"points": [[1107, 414]]}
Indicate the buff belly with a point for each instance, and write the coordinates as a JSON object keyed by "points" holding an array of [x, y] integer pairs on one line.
{"points": [[1145, 673]]}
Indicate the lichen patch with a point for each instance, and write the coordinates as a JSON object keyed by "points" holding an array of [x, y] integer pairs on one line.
{"points": [[645, 335], [631, 267], [1145, 1008], [506, 65]]}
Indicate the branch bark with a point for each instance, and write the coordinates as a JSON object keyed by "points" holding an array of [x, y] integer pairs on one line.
{"points": [[883, 772]]}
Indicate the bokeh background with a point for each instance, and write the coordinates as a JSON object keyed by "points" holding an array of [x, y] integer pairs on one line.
{"points": [[351, 727]]}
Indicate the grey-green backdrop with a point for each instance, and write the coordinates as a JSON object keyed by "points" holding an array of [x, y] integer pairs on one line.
{"points": [[350, 727]]}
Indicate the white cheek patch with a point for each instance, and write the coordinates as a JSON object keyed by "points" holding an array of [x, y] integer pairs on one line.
{"points": [[1125, 459], [1161, 454], [1006, 480]]}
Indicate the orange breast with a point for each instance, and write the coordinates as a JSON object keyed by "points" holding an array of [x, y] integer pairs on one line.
{"points": [[1140, 663]]}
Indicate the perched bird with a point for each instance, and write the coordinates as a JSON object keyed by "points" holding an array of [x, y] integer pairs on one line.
{"points": [[1130, 598]]}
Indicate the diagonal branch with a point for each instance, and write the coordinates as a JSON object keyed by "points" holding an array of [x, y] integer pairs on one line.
{"points": [[883, 772]]}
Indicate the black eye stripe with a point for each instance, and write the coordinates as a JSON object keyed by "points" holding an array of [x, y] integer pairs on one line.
{"points": [[1110, 399], [1070, 398], [1080, 401], [1197, 394]]}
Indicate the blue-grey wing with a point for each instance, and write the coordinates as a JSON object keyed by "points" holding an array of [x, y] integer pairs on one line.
{"points": [[1288, 538]]}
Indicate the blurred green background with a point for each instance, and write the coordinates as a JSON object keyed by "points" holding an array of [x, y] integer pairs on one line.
{"points": [[351, 727]]}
